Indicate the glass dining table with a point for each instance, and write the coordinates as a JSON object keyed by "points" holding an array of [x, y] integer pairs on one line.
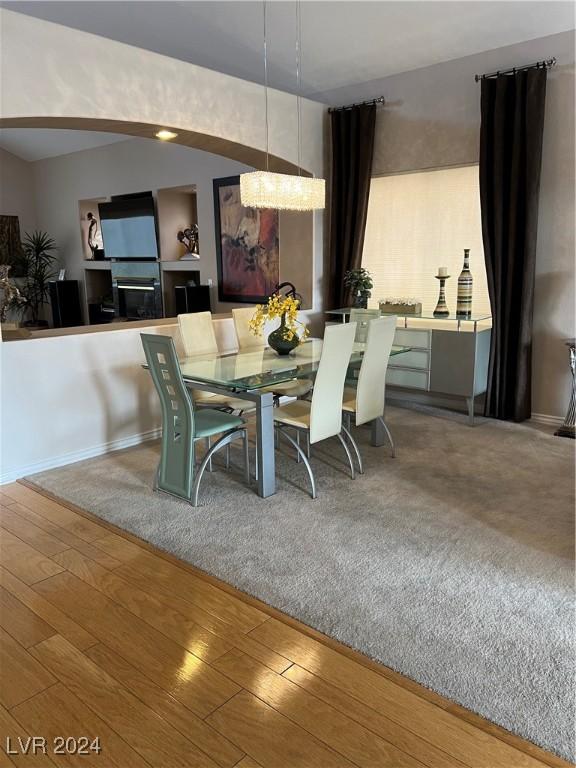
{"points": [[248, 374]]}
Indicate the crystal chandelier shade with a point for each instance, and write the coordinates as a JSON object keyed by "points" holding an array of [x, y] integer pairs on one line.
{"points": [[263, 189], [285, 192]]}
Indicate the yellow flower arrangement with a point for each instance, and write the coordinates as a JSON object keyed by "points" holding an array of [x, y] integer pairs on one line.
{"points": [[285, 308]]}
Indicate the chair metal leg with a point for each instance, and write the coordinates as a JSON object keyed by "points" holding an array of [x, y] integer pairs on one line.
{"points": [[350, 461], [228, 456], [308, 444], [304, 459], [381, 420], [220, 443], [298, 444], [208, 443], [354, 445]]}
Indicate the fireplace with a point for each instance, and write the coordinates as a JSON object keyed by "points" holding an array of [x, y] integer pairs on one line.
{"points": [[136, 290]]}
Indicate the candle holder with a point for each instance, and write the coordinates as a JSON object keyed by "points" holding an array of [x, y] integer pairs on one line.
{"points": [[441, 308]]}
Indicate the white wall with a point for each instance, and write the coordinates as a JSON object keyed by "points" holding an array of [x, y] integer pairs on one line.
{"points": [[17, 191], [135, 165], [432, 119], [66, 398], [61, 72]]}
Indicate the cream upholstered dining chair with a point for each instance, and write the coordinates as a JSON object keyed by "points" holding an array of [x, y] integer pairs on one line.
{"points": [[198, 338], [321, 417], [366, 401], [362, 318], [247, 341]]}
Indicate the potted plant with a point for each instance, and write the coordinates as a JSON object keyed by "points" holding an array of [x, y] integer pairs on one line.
{"points": [[285, 338], [38, 268], [359, 284]]}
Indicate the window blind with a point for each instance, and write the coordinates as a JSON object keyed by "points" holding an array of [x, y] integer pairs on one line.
{"points": [[418, 222]]}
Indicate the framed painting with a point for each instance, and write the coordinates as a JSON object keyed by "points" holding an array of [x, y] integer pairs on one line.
{"points": [[247, 246]]}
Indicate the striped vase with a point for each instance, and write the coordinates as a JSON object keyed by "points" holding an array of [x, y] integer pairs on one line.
{"points": [[465, 281]]}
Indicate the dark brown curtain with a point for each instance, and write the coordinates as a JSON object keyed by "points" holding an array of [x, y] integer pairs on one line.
{"points": [[352, 148], [510, 158]]}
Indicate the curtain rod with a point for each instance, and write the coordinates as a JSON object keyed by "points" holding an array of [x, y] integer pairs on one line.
{"points": [[379, 100], [547, 63]]}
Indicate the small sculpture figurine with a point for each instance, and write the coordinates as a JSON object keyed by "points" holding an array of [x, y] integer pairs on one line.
{"points": [[189, 239], [95, 242], [11, 296]]}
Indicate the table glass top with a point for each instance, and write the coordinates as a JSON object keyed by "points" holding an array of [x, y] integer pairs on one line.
{"points": [[424, 315], [253, 369]]}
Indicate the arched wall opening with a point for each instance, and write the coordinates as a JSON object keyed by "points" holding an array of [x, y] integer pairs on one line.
{"points": [[216, 145], [56, 76]]}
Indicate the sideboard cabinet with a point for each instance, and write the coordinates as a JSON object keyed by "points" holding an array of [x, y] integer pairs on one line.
{"points": [[448, 356], [442, 361]]}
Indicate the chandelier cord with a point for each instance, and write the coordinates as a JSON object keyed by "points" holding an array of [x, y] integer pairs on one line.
{"points": [[266, 84], [299, 82]]}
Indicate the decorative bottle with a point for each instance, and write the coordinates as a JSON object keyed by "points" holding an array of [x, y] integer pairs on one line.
{"points": [[465, 281]]}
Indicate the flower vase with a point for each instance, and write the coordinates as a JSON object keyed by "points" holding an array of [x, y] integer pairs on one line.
{"points": [[283, 340], [465, 282]]}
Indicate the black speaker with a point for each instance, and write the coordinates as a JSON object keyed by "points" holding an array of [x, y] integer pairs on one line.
{"points": [[192, 298], [65, 300]]}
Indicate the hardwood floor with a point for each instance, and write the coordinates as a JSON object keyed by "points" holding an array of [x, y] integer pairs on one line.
{"points": [[103, 636]]}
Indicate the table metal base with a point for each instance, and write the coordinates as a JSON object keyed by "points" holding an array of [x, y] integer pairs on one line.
{"points": [[264, 402]]}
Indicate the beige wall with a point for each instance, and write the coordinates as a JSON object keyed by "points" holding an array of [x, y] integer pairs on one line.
{"points": [[138, 165], [17, 191], [432, 119]]}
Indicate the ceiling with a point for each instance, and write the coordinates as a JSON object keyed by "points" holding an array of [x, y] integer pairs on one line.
{"points": [[344, 43], [38, 143]]}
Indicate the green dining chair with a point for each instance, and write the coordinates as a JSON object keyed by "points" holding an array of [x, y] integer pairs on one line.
{"points": [[182, 426]]}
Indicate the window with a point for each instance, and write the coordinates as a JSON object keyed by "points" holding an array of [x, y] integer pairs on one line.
{"points": [[418, 222]]}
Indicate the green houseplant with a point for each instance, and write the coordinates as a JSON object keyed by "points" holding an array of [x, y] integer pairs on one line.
{"points": [[359, 284], [38, 268]]}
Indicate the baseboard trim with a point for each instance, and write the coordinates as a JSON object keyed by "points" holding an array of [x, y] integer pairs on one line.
{"points": [[544, 418], [74, 456]]}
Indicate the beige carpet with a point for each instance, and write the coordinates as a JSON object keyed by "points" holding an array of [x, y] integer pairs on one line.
{"points": [[452, 563]]}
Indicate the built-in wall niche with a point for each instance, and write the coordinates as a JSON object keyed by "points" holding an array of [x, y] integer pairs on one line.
{"points": [[99, 300], [85, 207], [177, 210], [180, 277]]}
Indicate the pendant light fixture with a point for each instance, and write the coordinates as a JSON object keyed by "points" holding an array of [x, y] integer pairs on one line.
{"points": [[283, 191]]}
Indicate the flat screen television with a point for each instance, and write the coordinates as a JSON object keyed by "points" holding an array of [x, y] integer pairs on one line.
{"points": [[128, 226]]}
